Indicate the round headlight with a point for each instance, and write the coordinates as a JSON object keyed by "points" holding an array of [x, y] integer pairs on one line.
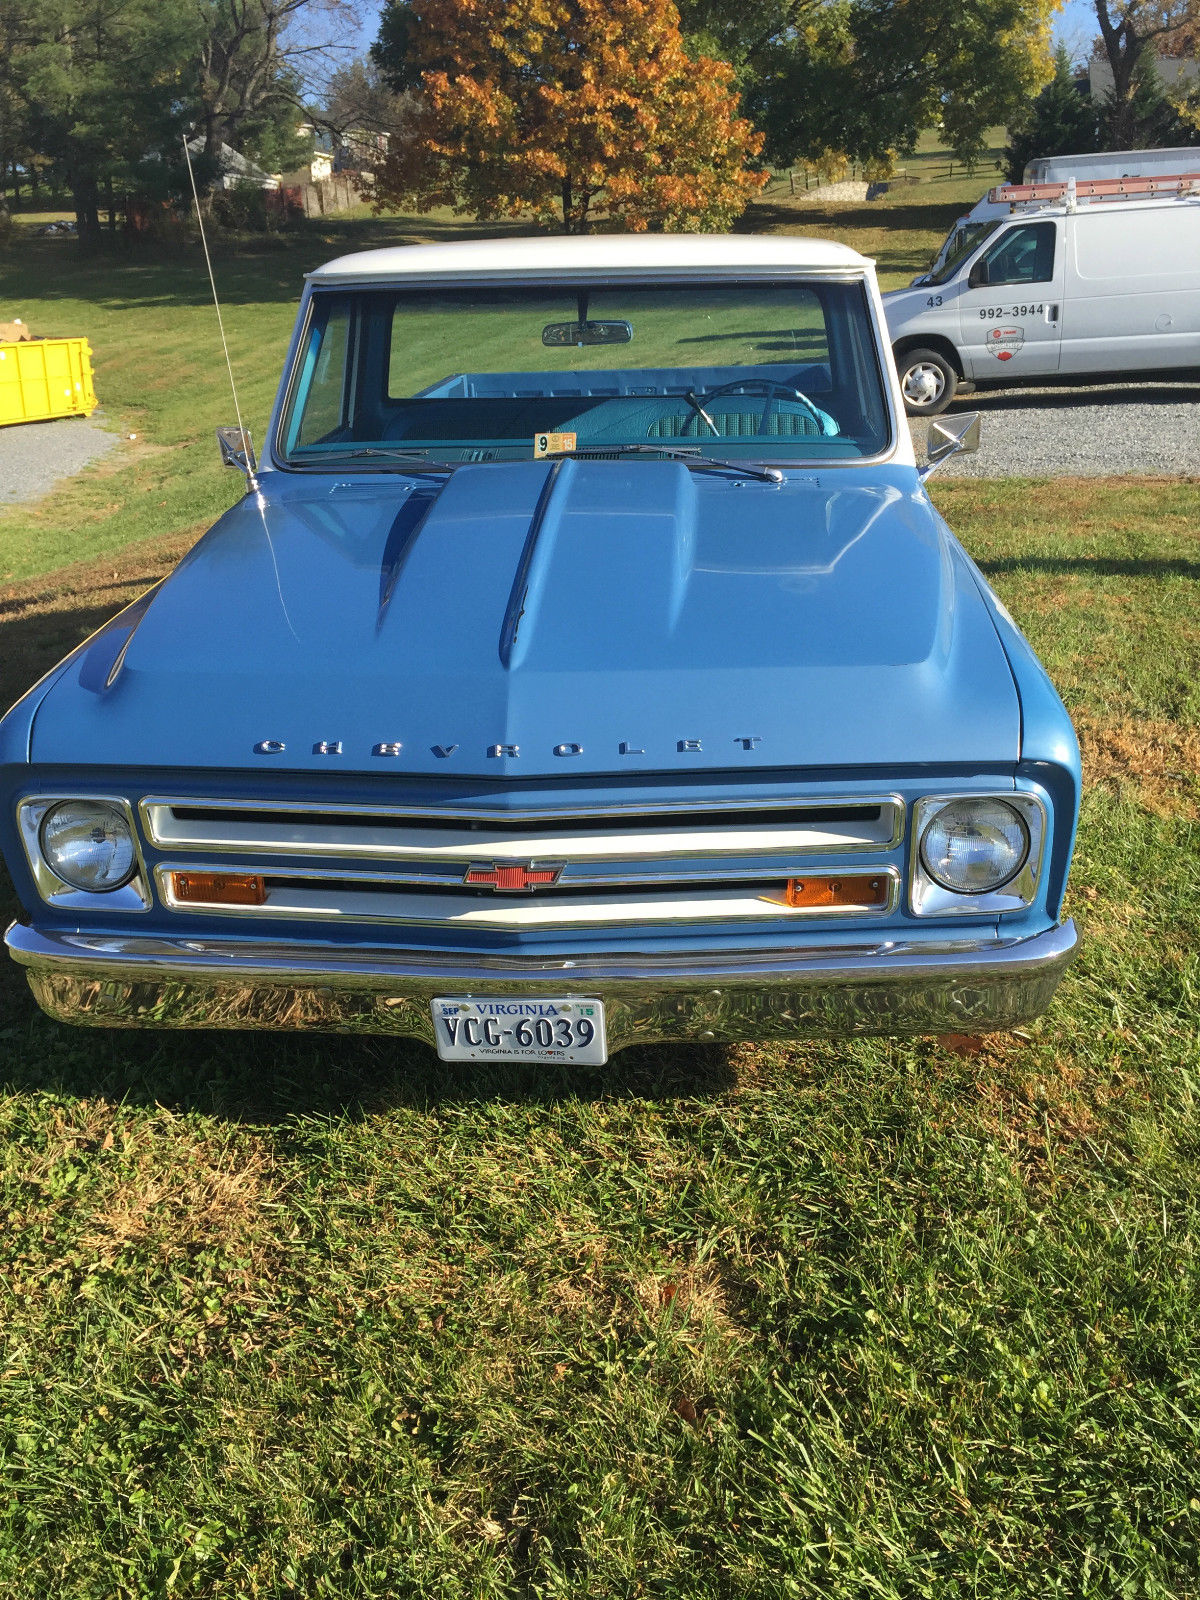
{"points": [[88, 844], [973, 846]]}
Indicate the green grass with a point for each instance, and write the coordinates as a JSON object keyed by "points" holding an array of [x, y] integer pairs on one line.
{"points": [[289, 1317]]}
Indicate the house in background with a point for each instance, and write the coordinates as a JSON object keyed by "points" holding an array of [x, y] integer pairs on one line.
{"points": [[321, 163], [1174, 73], [236, 170]]}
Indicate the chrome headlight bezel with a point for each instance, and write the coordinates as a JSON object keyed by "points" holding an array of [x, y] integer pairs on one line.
{"points": [[131, 895], [928, 898]]}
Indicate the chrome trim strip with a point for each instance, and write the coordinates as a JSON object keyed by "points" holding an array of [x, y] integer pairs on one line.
{"points": [[133, 895], [739, 870], [678, 841], [928, 899], [886, 987], [503, 913]]}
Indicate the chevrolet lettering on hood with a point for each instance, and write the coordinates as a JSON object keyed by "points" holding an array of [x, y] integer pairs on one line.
{"points": [[395, 747], [625, 687]]}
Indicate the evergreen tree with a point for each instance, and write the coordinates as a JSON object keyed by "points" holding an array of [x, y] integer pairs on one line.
{"points": [[1147, 119], [1063, 120]]}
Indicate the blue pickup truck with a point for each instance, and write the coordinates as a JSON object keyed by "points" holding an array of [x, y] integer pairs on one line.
{"points": [[585, 664]]}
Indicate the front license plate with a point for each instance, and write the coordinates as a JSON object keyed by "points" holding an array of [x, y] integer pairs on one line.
{"points": [[520, 1029]]}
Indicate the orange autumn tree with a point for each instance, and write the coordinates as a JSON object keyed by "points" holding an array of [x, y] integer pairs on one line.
{"points": [[571, 110]]}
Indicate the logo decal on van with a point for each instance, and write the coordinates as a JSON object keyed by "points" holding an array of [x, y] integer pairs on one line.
{"points": [[1005, 342]]}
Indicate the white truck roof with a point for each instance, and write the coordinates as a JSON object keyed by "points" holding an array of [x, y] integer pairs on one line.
{"points": [[596, 253], [1111, 163]]}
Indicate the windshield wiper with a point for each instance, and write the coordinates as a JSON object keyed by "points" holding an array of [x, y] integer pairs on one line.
{"points": [[666, 452], [417, 459]]}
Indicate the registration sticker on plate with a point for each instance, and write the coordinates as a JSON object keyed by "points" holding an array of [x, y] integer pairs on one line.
{"points": [[520, 1029]]}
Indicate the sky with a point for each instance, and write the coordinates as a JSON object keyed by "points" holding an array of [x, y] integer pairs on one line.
{"points": [[369, 25], [1076, 26]]}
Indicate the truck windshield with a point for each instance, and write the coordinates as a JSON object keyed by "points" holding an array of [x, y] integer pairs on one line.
{"points": [[776, 371], [963, 242]]}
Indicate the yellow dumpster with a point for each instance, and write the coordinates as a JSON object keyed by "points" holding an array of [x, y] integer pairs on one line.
{"points": [[45, 378]]}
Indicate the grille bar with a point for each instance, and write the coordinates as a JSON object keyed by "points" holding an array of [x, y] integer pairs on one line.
{"points": [[424, 839], [361, 898]]}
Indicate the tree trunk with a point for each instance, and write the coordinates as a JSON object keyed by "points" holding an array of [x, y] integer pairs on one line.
{"points": [[85, 197], [1122, 46]]}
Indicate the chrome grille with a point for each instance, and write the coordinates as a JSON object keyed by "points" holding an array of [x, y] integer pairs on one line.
{"points": [[640, 865]]}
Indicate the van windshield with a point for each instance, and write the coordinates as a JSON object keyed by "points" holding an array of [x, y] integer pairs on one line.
{"points": [[963, 242], [747, 371]]}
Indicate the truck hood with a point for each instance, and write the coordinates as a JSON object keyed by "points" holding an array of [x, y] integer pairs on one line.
{"points": [[533, 618]]}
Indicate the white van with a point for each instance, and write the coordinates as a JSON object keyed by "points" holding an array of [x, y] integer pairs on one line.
{"points": [[1050, 169], [1092, 288]]}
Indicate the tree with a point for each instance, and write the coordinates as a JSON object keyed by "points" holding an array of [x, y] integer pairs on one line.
{"points": [[1062, 121], [99, 84], [867, 76], [256, 67], [359, 100], [1131, 33], [569, 109]]}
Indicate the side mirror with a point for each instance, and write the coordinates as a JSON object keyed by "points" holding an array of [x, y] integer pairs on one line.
{"points": [[237, 450], [978, 276], [958, 436]]}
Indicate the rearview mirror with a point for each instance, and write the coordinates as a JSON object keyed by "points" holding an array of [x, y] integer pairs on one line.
{"points": [[958, 436], [578, 333], [978, 276]]}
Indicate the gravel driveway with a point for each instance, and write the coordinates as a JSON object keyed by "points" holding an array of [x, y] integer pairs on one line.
{"points": [[35, 455], [1091, 432]]}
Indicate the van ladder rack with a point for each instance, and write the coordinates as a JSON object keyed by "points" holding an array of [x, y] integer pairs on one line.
{"points": [[1176, 183]]}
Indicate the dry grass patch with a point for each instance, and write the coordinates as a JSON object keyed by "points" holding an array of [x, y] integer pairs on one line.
{"points": [[1160, 758], [175, 1193]]}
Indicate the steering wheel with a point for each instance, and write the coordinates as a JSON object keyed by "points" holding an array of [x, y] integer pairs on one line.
{"points": [[769, 387]]}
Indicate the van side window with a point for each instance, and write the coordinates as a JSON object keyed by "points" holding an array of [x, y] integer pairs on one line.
{"points": [[1022, 255]]}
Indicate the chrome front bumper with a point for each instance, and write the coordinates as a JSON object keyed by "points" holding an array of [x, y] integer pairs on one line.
{"points": [[893, 988]]}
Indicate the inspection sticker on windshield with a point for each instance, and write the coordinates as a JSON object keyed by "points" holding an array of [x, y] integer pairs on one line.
{"points": [[553, 444], [518, 1028]]}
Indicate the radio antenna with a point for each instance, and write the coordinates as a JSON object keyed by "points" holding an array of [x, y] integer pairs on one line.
{"points": [[248, 452]]}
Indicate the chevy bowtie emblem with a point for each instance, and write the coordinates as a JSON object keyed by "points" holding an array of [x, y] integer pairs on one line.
{"points": [[513, 877]]}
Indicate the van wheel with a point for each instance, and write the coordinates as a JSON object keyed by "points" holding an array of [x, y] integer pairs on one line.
{"points": [[927, 382]]}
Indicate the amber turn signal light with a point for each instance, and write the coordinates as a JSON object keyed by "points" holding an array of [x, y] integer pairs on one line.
{"points": [[828, 893], [218, 888]]}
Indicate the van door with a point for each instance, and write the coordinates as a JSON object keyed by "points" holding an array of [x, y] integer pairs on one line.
{"points": [[1133, 294], [1010, 305]]}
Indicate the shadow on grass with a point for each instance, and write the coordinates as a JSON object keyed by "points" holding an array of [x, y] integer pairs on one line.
{"points": [[249, 270], [1092, 567], [31, 644], [929, 216]]}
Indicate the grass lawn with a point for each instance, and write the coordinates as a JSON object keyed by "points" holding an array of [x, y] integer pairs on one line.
{"points": [[291, 1317]]}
